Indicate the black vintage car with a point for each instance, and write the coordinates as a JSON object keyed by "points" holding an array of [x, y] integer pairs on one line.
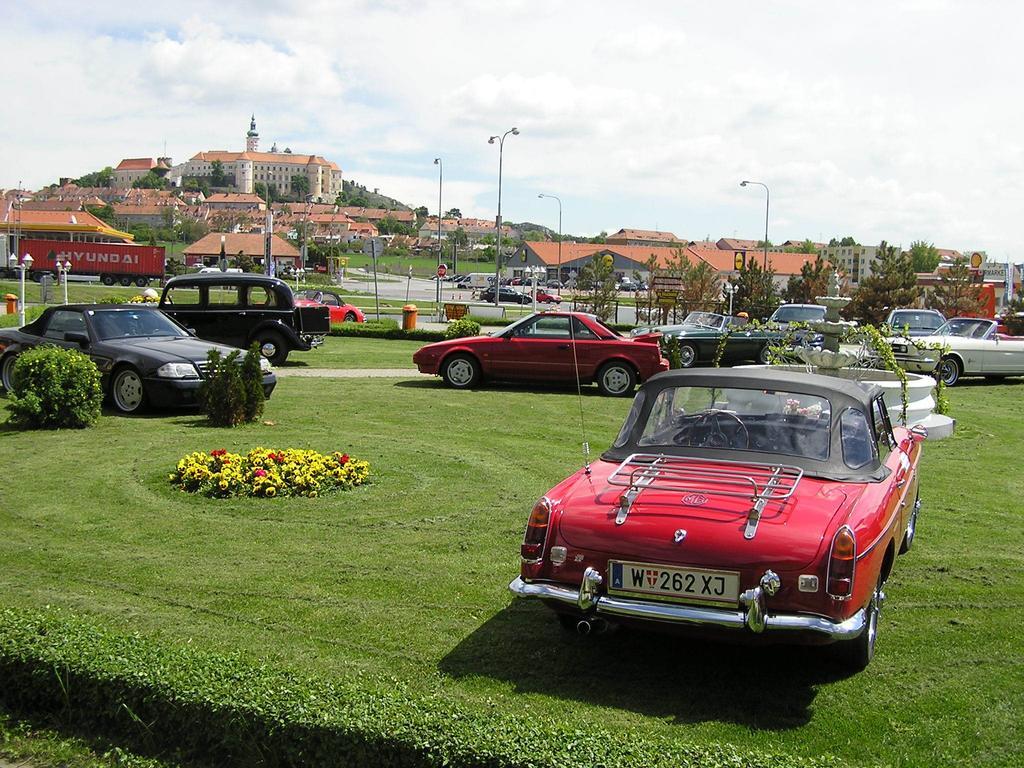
{"points": [[144, 357], [238, 309]]}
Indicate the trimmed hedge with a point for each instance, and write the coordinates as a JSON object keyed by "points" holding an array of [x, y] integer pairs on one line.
{"points": [[226, 710], [384, 329]]}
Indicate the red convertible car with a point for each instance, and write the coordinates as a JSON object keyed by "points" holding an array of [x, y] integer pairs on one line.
{"points": [[734, 503], [547, 346], [341, 311]]}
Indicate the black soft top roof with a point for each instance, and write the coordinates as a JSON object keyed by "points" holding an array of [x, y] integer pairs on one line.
{"points": [[227, 278], [842, 394]]}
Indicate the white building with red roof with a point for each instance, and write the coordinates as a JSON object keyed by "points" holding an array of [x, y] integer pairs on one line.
{"points": [[244, 170], [131, 169]]}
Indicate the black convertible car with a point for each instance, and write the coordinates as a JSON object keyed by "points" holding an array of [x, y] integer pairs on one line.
{"points": [[143, 355]]}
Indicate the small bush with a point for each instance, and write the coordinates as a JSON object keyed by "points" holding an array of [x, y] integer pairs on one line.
{"points": [[384, 330], [228, 395], [112, 299], [462, 327], [55, 388]]}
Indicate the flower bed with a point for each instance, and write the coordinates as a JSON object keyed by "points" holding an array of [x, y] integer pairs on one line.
{"points": [[267, 473]]}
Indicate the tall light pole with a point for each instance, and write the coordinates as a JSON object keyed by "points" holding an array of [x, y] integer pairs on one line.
{"points": [[440, 216], [62, 272], [497, 255], [23, 267], [767, 197], [554, 197]]}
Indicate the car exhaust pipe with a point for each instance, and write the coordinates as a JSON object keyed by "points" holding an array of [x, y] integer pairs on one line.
{"points": [[584, 627]]}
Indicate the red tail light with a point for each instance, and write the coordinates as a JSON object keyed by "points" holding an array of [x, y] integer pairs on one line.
{"points": [[536, 531], [841, 563]]}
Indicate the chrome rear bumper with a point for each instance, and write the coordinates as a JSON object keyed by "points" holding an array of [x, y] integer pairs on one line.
{"points": [[617, 607]]}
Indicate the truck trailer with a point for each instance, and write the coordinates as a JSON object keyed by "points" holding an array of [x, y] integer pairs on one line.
{"points": [[123, 263]]}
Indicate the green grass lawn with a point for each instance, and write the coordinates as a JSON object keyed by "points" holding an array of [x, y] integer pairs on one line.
{"points": [[350, 352], [407, 577]]}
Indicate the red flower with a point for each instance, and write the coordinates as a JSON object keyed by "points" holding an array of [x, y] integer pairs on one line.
{"points": [[218, 452], [343, 459], [261, 473]]}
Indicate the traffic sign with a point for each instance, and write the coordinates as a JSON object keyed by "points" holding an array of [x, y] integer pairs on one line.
{"points": [[442, 270]]}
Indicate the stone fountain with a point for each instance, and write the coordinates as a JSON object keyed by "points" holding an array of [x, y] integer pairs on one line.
{"points": [[832, 360]]}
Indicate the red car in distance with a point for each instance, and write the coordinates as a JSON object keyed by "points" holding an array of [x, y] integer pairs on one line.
{"points": [[751, 504], [341, 311], [547, 347], [548, 297]]}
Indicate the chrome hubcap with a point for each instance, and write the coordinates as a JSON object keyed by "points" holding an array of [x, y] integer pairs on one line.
{"points": [[268, 349], [616, 380], [128, 391], [687, 356], [460, 372]]}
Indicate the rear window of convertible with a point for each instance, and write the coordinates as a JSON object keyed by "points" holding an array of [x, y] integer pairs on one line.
{"points": [[767, 421]]}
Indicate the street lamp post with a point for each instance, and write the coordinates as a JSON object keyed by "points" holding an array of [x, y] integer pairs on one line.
{"points": [[62, 275], [559, 201], [767, 197], [730, 289], [26, 264], [440, 216], [497, 255]]}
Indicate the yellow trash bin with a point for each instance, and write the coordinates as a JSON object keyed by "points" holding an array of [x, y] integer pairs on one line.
{"points": [[409, 312]]}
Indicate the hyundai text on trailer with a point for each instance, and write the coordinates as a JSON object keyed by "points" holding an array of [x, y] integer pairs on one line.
{"points": [[744, 504]]}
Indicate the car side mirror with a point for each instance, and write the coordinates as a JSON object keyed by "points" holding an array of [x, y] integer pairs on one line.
{"points": [[79, 338]]}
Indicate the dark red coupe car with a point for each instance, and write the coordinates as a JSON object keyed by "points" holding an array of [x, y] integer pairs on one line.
{"points": [[750, 504], [547, 346]]}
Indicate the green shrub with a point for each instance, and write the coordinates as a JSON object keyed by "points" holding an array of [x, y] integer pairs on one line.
{"points": [[1013, 318], [112, 299], [55, 388], [385, 329], [490, 321], [462, 327], [232, 392], [227, 710]]}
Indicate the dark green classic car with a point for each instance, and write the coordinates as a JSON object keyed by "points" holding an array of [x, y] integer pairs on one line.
{"points": [[700, 332]]}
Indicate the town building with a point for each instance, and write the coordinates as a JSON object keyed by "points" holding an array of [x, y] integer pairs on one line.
{"points": [[131, 169], [275, 170], [648, 237], [235, 201], [17, 224], [206, 251]]}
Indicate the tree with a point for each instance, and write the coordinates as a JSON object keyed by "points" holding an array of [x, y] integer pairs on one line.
{"points": [[459, 237], [453, 213], [104, 212], [596, 281], [957, 293], [756, 293], [217, 176], [924, 256], [892, 283], [104, 178], [806, 246], [150, 181], [422, 212], [700, 289], [300, 184], [811, 282], [846, 241]]}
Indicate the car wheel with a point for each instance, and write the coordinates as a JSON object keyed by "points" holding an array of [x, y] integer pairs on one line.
{"points": [[949, 371], [272, 347], [126, 281], [687, 355], [141, 282], [856, 654], [107, 279], [461, 371], [616, 379], [764, 357], [126, 391], [908, 537], [350, 317], [7, 372]]}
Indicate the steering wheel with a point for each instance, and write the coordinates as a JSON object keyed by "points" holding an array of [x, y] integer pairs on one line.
{"points": [[708, 431]]}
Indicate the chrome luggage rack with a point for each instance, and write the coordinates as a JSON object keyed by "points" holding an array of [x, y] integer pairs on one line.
{"points": [[760, 482]]}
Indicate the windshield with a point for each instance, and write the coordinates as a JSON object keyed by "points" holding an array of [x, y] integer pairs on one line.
{"points": [[706, 319], [798, 314], [127, 323], [928, 320], [768, 421], [967, 327]]}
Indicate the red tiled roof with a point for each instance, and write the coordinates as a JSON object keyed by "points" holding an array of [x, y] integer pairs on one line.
{"points": [[57, 218], [643, 234], [249, 244], [234, 197], [52, 205], [136, 164], [283, 158], [732, 244]]}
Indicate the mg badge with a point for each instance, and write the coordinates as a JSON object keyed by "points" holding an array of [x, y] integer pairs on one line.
{"points": [[679, 536], [695, 499]]}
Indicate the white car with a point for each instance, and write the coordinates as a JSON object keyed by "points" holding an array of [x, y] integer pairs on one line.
{"points": [[973, 347]]}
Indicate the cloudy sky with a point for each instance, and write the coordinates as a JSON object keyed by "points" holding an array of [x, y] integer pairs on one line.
{"points": [[898, 120]]}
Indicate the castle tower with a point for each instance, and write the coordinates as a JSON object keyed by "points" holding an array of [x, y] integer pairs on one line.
{"points": [[252, 138]]}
